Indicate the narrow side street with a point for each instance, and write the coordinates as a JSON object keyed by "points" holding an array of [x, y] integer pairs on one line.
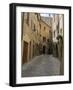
{"points": [[43, 65], [42, 44]]}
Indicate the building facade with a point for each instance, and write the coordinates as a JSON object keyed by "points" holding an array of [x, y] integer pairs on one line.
{"points": [[34, 33], [57, 30], [58, 38]]}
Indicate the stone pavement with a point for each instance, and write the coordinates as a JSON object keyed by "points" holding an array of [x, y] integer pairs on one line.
{"points": [[43, 65]]}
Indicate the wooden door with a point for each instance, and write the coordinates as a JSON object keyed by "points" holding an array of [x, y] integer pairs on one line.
{"points": [[30, 51], [25, 52]]}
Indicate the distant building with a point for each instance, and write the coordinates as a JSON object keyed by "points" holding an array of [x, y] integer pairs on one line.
{"points": [[47, 20], [45, 29]]}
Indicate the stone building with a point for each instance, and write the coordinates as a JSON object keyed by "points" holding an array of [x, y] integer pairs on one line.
{"points": [[58, 38], [34, 32], [47, 20], [30, 28], [46, 33], [57, 31], [61, 42]]}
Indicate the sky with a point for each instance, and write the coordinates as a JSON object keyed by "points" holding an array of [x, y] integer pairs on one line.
{"points": [[46, 14]]}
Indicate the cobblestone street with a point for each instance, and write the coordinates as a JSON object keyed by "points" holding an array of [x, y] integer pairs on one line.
{"points": [[43, 65]]}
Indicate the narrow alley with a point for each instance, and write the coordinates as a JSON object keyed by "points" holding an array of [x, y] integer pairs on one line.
{"points": [[42, 44], [43, 65]]}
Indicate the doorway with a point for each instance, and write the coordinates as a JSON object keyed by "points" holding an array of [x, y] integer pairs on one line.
{"points": [[25, 52]]}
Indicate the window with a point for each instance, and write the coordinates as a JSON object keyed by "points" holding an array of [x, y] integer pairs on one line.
{"points": [[57, 27], [54, 17], [37, 32], [61, 31], [44, 28], [27, 18], [54, 33], [22, 24], [34, 28], [37, 15], [40, 26], [44, 39]]}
